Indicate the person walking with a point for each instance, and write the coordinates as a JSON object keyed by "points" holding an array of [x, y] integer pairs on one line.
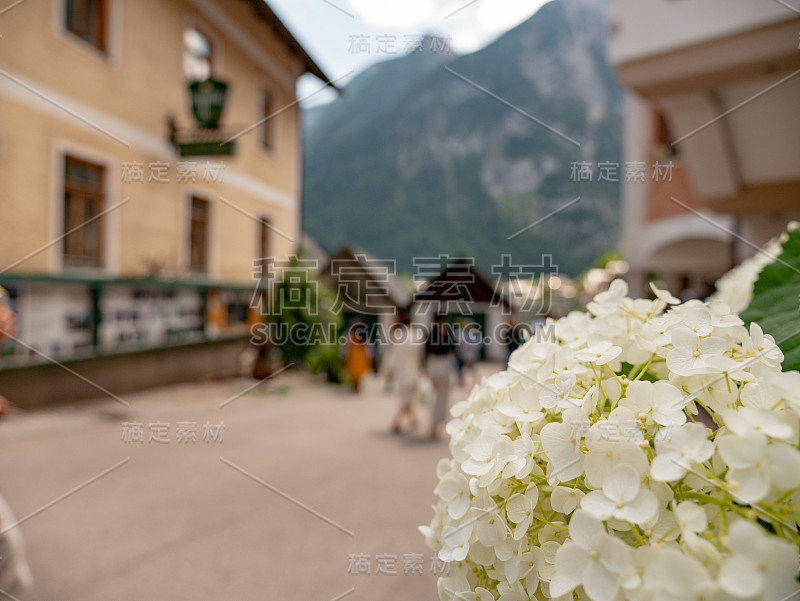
{"points": [[513, 337], [468, 351], [8, 327], [357, 360], [439, 364], [402, 370]]}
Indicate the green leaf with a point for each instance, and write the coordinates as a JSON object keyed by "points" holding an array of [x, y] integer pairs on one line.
{"points": [[776, 301]]}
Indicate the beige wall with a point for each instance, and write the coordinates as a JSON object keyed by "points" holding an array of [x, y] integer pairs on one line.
{"points": [[48, 74], [659, 235], [644, 27]]}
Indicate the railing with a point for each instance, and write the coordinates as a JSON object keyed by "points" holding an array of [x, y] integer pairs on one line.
{"points": [[68, 318]]}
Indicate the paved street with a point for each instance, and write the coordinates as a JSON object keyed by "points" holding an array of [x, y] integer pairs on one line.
{"points": [[190, 520]]}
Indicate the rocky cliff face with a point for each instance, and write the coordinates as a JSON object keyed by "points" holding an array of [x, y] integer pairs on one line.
{"points": [[416, 160]]}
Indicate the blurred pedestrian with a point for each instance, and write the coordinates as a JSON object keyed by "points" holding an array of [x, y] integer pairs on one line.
{"points": [[264, 360], [15, 575], [401, 367], [459, 326], [357, 361], [468, 350], [439, 364], [8, 327], [513, 337]]}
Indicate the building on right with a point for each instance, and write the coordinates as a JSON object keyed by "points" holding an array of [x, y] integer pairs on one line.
{"points": [[712, 134]]}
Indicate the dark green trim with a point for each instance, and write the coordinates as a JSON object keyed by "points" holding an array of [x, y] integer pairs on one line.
{"points": [[111, 281], [97, 286], [206, 149]]}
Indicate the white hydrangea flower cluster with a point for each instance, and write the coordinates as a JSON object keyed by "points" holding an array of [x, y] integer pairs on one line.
{"points": [[735, 288], [584, 471]]}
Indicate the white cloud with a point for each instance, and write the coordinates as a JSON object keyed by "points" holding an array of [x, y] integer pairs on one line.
{"points": [[465, 41], [395, 14], [326, 31], [471, 24], [500, 15]]}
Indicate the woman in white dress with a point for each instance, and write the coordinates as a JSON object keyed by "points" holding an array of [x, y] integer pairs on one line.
{"points": [[440, 366], [402, 367]]}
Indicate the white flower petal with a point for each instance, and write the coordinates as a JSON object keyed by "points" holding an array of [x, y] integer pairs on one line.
{"points": [[565, 500], [518, 508], [667, 467], [641, 509], [598, 504], [585, 529], [621, 484], [740, 577], [571, 562], [599, 583], [751, 485]]}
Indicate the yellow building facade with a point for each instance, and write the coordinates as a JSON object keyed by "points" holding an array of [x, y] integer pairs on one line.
{"points": [[127, 225]]}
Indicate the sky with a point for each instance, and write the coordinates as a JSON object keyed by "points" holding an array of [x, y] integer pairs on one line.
{"points": [[346, 36]]}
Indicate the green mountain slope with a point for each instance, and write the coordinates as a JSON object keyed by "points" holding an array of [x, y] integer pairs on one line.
{"points": [[416, 161]]}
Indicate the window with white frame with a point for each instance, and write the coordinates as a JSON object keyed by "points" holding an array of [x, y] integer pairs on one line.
{"points": [[84, 197], [88, 19]]}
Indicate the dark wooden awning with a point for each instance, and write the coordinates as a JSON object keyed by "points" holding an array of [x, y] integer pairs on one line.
{"points": [[460, 281]]}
